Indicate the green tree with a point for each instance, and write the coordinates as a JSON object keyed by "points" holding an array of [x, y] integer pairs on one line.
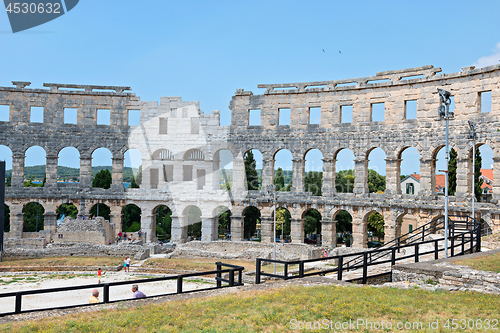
{"points": [[376, 182], [67, 209], [283, 222], [33, 217], [376, 224], [30, 183], [8, 181], [279, 180], [251, 172], [163, 222], [344, 181], [102, 179], [224, 220], [313, 181], [133, 184], [104, 211], [312, 222], [6, 218], [251, 219], [131, 218], [194, 222], [478, 191], [345, 221], [452, 172]]}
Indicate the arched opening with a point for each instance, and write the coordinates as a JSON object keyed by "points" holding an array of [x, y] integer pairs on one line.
{"points": [[194, 167], [253, 169], [376, 171], [410, 171], [483, 173], [283, 224], [405, 223], [374, 229], [312, 226], [223, 169], [194, 223], [343, 228], [100, 209], [68, 165], [34, 167], [132, 168], [131, 218], [102, 161], [313, 172], [6, 155], [344, 175], [163, 222], [251, 224], [33, 217], [66, 209], [6, 218], [224, 222], [283, 170]]}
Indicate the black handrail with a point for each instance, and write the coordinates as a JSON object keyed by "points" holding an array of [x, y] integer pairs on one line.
{"points": [[180, 278]]}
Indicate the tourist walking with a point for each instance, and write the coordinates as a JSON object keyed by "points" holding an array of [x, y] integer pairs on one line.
{"points": [[99, 275], [126, 264], [137, 293]]}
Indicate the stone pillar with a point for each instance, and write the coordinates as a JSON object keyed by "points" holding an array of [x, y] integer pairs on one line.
{"points": [[51, 171], [297, 231], [328, 186], [390, 226], [179, 230], [359, 233], [239, 176], [267, 229], [496, 185], [361, 175], [17, 170], [117, 174], [427, 177], [464, 178], [298, 175], [50, 221], [148, 227], [393, 180], [85, 172], [329, 233], [116, 217], [267, 173], [178, 172], [209, 231], [237, 228], [16, 221]]}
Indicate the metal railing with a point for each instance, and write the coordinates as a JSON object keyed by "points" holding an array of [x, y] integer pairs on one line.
{"points": [[234, 279], [464, 236]]}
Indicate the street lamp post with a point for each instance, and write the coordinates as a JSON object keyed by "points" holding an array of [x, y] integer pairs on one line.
{"points": [[444, 112], [473, 137], [272, 190]]}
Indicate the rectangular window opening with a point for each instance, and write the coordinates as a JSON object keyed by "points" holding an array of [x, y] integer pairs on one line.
{"points": [[411, 109], [153, 180], [103, 117], [254, 117], [163, 126], [315, 115], [284, 116], [134, 117], [70, 115], [4, 112], [346, 114], [485, 101], [36, 114], [347, 84], [168, 173], [378, 112], [200, 177], [195, 125], [379, 81], [412, 77], [322, 86], [187, 173], [410, 227]]}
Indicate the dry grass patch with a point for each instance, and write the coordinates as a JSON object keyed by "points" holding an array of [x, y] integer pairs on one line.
{"points": [[483, 263], [194, 264], [274, 310], [61, 261]]}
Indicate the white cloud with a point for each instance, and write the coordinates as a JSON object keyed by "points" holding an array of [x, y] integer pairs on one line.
{"points": [[493, 59]]}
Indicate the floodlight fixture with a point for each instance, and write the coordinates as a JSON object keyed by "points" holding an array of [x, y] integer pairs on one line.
{"points": [[444, 96]]}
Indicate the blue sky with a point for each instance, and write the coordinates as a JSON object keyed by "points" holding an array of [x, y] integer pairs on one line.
{"points": [[205, 50]]}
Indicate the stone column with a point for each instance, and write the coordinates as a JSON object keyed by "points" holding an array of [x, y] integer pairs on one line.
{"points": [[116, 217], [178, 172], [359, 233], [208, 232], [464, 177], [427, 177], [393, 180], [85, 172], [239, 176], [267, 173], [51, 171], [328, 186], [496, 185], [148, 227], [16, 221], [361, 175], [298, 175], [297, 231], [117, 174], [390, 225], [50, 221], [179, 230], [17, 171], [237, 228], [267, 229], [329, 233]]}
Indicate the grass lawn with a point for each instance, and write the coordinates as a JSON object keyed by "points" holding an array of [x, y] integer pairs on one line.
{"points": [[283, 309], [483, 263], [194, 264], [62, 261]]}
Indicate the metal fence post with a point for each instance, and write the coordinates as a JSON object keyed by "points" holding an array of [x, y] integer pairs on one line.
{"points": [[240, 272], [471, 241], [219, 275], [436, 250], [301, 269], [365, 267], [231, 277], [18, 302], [106, 293], [257, 270], [416, 252], [463, 243], [478, 240], [179, 284], [393, 257], [453, 245], [339, 268], [285, 272]]}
